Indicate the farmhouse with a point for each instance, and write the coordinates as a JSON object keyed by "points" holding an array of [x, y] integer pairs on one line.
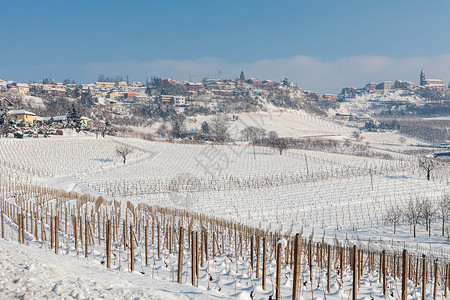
{"points": [[19, 88], [191, 134], [86, 121], [108, 85], [63, 120], [22, 115], [174, 100]]}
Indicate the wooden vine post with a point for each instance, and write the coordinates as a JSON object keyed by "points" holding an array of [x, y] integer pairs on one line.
{"points": [[56, 234], [124, 235], [383, 270], [264, 265], [424, 276], [86, 238], [18, 231], [296, 282], [214, 245], [355, 273], [447, 281], [24, 218], [278, 279], [252, 249], [99, 230], [405, 274], [196, 257], [81, 229], [395, 267], [158, 240], [51, 233], [341, 263], [436, 278], [310, 263], [360, 266], [131, 248], [146, 244], [192, 258], [257, 255], [329, 269], [3, 226], [206, 246], [180, 256], [35, 226], [108, 245], [201, 248], [75, 233]]}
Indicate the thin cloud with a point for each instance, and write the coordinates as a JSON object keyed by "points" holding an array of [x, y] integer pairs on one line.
{"points": [[308, 72]]}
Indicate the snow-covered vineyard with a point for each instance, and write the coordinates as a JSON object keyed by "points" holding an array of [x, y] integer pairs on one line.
{"points": [[240, 208]]}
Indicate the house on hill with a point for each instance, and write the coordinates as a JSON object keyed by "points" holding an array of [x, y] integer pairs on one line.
{"points": [[190, 134], [86, 121], [22, 115], [63, 120]]}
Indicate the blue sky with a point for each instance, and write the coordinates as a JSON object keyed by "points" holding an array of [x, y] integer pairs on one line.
{"points": [[320, 45]]}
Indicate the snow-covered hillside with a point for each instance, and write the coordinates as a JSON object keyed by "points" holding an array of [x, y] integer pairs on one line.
{"points": [[332, 198], [363, 104]]}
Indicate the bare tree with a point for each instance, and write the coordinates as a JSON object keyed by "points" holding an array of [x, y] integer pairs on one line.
{"points": [[357, 135], [107, 129], [162, 130], [444, 210], [219, 127], [123, 152], [412, 213], [429, 165], [253, 133], [280, 144], [272, 135], [427, 211], [393, 215], [402, 140]]}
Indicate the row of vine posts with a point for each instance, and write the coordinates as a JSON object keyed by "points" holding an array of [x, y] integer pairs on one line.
{"points": [[59, 219]]}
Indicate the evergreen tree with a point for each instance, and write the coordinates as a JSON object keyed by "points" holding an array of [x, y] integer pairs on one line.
{"points": [[205, 128], [177, 125], [176, 129], [242, 76], [76, 93], [74, 118]]}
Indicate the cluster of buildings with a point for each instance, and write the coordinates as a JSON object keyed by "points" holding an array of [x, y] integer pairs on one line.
{"points": [[27, 118], [221, 88], [120, 96], [117, 93], [99, 91], [386, 86]]}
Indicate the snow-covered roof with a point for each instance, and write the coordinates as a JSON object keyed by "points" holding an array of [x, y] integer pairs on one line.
{"points": [[20, 112], [191, 132], [60, 118]]}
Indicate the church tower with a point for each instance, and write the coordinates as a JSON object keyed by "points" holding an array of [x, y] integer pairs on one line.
{"points": [[422, 78]]}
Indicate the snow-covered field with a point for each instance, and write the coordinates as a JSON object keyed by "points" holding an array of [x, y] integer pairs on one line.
{"points": [[333, 197], [285, 122]]}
